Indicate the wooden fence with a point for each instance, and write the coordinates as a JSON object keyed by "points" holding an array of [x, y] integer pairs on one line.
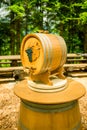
{"points": [[76, 65], [74, 62]]}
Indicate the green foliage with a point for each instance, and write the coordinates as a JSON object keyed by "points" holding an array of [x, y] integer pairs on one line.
{"points": [[83, 18], [83, 15], [17, 9], [84, 5], [59, 17]]}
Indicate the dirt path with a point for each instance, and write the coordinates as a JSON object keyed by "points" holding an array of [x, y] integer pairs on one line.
{"points": [[9, 106]]}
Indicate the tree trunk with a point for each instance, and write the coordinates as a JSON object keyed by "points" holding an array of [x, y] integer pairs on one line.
{"points": [[12, 33], [85, 38], [26, 16], [40, 21], [18, 27]]}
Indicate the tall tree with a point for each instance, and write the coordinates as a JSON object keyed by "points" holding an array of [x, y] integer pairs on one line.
{"points": [[66, 18], [17, 12], [83, 24]]}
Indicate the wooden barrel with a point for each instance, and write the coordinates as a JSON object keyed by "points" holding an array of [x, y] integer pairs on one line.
{"points": [[64, 116], [43, 52]]}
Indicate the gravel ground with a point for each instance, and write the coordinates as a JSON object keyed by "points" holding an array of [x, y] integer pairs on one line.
{"points": [[83, 103], [9, 106]]}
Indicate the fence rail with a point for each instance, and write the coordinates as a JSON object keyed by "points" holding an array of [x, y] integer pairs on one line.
{"points": [[74, 62]]}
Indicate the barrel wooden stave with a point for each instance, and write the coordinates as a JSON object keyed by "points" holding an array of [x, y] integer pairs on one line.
{"points": [[49, 117]]}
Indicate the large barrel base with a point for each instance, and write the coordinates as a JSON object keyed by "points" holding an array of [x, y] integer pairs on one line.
{"points": [[64, 116], [49, 111]]}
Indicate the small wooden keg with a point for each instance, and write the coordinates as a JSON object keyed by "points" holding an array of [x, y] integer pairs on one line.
{"points": [[43, 52]]}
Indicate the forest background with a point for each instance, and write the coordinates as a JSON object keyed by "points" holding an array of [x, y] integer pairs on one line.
{"points": [[67, 18]]}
